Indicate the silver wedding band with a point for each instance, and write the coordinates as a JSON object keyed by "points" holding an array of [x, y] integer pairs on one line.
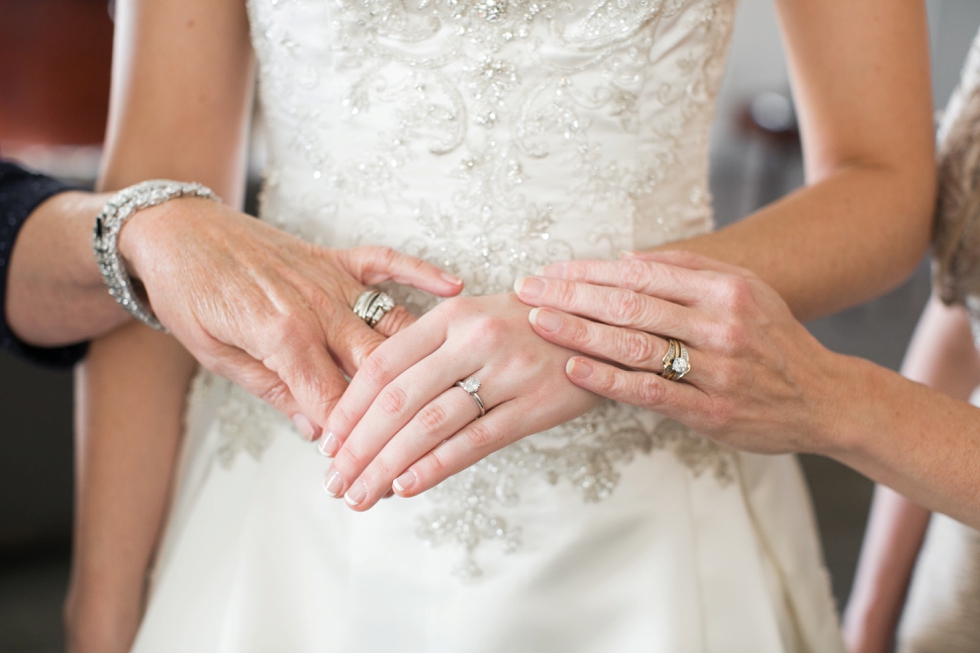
{"points": [[471, 385], [372, 305]]}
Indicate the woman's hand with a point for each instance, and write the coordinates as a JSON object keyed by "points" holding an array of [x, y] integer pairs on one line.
{"points": [[404, 426], [263, 308], [758, 380]]}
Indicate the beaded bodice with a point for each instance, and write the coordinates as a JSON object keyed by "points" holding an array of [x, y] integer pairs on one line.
{"points": [[493, 137]]}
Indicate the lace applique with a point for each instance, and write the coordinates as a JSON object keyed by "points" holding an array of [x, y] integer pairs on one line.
{"points": [[244, 424], [584, 452], [502, 101]]}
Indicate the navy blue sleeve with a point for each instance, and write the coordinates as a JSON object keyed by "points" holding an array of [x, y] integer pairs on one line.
{"points": [[20, 193]]}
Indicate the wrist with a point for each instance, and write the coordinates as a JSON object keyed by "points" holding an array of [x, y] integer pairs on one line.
{"points": [[137, 236], [837, 429]]}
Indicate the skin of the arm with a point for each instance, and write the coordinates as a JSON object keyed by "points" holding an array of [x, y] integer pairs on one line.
{"points": [[860, 78], [179, 109], [942, 356], [55, 294]]}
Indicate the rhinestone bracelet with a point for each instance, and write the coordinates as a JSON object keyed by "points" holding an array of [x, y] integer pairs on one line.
{"points": [[105, 241]]}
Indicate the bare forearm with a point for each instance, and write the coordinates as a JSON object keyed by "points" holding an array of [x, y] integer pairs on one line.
{"points": [[839, 242], [892, 541], [130, 396], [917, 441], [55, 294]]}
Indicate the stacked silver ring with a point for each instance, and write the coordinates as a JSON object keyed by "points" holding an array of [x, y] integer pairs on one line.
{"points": [[373, 305]]}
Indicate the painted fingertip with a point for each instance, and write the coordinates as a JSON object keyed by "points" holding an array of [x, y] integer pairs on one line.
{"points": [[329, 445], [406, 481], [545, 320], [334, 485], [578, 368], [355, 495], [530, 287]]}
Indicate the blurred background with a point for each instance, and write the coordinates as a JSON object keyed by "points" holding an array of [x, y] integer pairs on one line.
{"points": [[54, 83]]}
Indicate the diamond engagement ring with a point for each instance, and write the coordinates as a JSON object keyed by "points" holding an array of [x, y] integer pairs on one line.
{"points": [[372, 305], [676, 361], [471, 385]]}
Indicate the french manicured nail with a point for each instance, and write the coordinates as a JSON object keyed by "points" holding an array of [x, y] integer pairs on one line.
{"points": [[531, 287], [329, 444], [578, 368], [456, 281], [406, 481], [334, 484], [545, 319], [356, 493], [305, 427]]}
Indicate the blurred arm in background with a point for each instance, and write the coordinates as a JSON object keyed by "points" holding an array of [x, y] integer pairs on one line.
{"points": [[942, 355]]}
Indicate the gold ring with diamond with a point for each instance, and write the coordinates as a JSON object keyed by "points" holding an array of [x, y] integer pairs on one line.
{"points": [[471, 385], [676, 361]]}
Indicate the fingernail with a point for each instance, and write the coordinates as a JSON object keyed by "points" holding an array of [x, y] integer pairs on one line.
{"points": [[305, 427], [529, 287], [329, 444], [406, 481], [356, 494], [627, 254], [451, 278], [545, 319], [334, 484], [578, 368]]}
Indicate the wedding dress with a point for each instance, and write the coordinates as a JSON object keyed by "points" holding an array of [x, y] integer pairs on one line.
{"points": [[490, 137]]}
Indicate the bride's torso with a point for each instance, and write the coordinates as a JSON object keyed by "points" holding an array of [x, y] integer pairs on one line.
{"points": [[490, 136]]}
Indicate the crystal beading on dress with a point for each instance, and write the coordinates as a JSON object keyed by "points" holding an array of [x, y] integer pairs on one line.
{"points": [[493, 137]]}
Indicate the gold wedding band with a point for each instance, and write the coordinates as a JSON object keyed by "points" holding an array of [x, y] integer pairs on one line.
{"points": [[676, 361]]}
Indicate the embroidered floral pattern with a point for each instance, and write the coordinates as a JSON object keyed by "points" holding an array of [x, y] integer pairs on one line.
{"points": [[493, 137]]}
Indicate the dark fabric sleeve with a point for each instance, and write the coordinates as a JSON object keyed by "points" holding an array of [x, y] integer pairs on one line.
{"points": [[20, 193]]}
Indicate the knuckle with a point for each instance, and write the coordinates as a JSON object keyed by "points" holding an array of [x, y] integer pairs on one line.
{"points": [[276, 395], [437, 465], [492, 331], [479, 437], [349, 459], [720, 415], [736, 292], [376, 370], [637, 348], [432, 418], [392, 401], [732, 338], [651, 393], [634, 273], [382, 469], [626, 304], [562, 291]]}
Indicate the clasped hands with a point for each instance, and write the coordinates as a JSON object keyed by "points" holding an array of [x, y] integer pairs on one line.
{"points": [[575, 333]]}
